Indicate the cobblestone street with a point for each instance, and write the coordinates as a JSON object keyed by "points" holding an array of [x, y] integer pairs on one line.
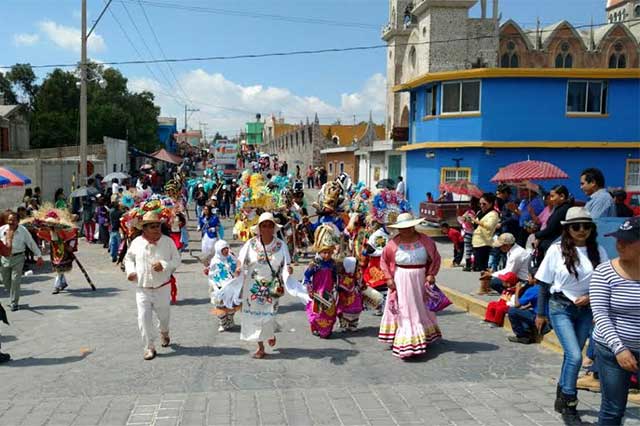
{"points": [[77, 360]]}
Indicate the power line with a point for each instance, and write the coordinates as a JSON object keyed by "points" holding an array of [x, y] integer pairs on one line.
{"points": [[257, 15], [300, 52]]}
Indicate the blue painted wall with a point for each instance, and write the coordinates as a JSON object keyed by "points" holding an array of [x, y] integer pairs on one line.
{"points": [[532, 109], [423, 174], [165, 135]]}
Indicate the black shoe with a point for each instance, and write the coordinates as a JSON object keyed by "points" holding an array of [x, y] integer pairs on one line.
{"points": [[567, 405], [4, 357], [516, 339], [14, 307], [55, 291]]}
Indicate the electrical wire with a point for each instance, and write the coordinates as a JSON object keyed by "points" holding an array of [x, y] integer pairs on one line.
{"points": [[301, 52]]}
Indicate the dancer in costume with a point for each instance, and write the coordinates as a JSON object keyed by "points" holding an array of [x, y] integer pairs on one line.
{"points": [[209, 225], [373, 276], [410, 262], [321, 277], [223, 271], [56, 227], [349, 297], [265, 262]]}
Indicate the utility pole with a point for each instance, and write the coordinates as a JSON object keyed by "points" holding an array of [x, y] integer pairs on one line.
{"points": [[83, 98], [186, 111]]}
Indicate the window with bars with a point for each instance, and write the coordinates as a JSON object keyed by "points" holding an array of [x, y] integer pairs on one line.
{"points": [[450, 174], [632, 177]]}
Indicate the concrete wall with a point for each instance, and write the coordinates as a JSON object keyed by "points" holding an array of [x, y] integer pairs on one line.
{"points": [[117, 155], [349, 161]]}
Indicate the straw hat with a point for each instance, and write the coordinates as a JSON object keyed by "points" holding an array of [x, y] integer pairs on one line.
{"points": [[265, 217], [405, 220], [577, 215], [324, 239], [150, 217]]}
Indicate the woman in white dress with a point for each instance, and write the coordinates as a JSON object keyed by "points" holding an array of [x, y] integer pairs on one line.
{"points": [[265, 261]]}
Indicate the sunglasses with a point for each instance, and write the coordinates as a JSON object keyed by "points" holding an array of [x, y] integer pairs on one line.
{"points": [[578, 226]]}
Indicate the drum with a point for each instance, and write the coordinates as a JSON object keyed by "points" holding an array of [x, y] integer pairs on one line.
{"points": [[372, 298]]}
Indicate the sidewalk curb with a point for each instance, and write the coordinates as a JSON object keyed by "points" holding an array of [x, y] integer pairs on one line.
{"points": [[478, 308]]}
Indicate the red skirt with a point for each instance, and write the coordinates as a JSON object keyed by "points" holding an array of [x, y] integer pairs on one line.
{"points": [[373, 275]]}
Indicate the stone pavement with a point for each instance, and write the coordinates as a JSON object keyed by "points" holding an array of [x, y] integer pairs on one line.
{"points": [[78, 361]]}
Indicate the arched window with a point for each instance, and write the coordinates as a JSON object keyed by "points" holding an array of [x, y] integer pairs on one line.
{"points": [[335, 140], [618, 58], [412, 57], [636, 11], [564, 58], [510, 58]]}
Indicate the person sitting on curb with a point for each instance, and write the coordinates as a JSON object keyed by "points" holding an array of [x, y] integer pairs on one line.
{"points": [[517, 262], [522, 315], [497, 309]]}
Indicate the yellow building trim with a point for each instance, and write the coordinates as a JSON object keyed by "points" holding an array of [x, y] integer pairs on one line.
{"points": [[586, 115], [460, 115], [532, 144], [429, 117], [444, 170], [589, 73]]}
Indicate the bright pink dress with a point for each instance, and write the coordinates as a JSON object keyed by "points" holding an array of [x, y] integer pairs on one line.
{"points": [[321, 276], [407, 324], [349, 297]]}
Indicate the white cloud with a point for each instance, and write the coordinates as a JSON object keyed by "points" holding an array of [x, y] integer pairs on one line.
{"points": [[207, 91], [25, 39], [69, 37]]}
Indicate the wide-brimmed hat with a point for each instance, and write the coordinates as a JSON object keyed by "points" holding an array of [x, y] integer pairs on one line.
{"points": [[405, 220], [265, 217], [325, 239], [504, 239], [150, 217], [629, 231], [577, 215]]}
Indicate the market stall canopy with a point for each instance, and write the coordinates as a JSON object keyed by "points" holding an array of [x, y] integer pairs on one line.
{"points": [[529, 170], [164, 155], [462, 187], [11, 177]]}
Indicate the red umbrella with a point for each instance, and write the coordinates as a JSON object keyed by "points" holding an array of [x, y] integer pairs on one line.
{"points": [[462, 187], [529, 170]]}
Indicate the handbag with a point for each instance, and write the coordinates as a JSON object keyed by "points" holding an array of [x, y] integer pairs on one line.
{"points": [[277, 290], [437, 299]]}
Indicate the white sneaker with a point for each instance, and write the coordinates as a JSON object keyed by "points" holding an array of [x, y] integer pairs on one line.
{"points": [[221, 329]]}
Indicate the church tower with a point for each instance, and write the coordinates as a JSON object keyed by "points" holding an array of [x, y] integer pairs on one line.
{"points": [[431, 36]]}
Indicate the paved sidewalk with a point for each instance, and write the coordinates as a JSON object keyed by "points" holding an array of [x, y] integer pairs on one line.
{"points": [[78, 361]]}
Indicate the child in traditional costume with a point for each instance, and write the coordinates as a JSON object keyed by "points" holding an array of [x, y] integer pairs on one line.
{"points": [[320, 278], [349, 297], [224, 285], [56, 227], [373, 276], [210, 226]]}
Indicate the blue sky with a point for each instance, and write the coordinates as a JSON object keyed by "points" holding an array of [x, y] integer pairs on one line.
{"points": [[336, 85]]}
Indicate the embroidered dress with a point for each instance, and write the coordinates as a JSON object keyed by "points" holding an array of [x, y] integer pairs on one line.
{"points": [[407, 324], [209, 226], [221, 275], [349, 297], [320, 277], [260, 289]]}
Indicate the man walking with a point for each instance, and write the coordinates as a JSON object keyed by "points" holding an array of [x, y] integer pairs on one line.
{"points": [[400, 188], [150, 262], [11, 265]]}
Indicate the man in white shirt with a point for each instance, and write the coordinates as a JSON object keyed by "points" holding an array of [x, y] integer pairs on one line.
{"points": [[400, 188], [150, 261], [517, 262], [11, 266]]}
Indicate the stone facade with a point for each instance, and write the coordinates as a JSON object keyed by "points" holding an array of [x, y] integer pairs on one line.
{"points": [[301, 144], [415, 35], [14, 129]]}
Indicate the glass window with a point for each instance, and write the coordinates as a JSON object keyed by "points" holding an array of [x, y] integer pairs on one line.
{"points": [[504, 61], [450, 174], [514, 61], [430, 101], [633, 173], [568, 61], [470, 96], [587, 97], [451, 97], [559, 61]]}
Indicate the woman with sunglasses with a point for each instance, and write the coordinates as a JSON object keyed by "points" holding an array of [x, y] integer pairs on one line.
{"points": [[564, 276], [486, 222]]}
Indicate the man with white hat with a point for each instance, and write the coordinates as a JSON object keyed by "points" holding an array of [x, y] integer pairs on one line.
{"points": [[150, 262], [517, 262]]}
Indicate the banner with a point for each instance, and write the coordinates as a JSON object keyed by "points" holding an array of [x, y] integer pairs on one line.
{"points": [[225, 152]]}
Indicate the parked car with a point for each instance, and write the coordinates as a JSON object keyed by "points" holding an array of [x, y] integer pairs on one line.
{"points": [[438, 212]]}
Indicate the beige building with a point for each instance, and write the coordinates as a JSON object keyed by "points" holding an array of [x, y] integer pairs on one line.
{"points": [[14, 129]]}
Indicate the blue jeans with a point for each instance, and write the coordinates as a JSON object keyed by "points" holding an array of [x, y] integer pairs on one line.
{"points": [[496, 285], [573, 325], [523, 321], [114, 244], [614, 383]]}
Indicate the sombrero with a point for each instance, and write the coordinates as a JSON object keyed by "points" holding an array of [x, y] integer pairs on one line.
{"points": [[405, 220]]}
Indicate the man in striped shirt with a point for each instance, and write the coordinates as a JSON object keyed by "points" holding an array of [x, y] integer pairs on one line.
{"points": [[614, 293]]}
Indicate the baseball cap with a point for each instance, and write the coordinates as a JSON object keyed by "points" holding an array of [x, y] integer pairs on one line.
{"points": [[504, 239], [510, 278], [628, 231]]}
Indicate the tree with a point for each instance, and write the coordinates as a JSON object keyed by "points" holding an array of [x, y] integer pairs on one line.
{"points": [[22, 76], [6, 91]]}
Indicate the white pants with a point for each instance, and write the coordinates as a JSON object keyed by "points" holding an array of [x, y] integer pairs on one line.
{"points": [[149, 301]]}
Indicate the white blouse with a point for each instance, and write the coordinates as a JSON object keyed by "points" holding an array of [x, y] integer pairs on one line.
{"points": [[411, 254]]}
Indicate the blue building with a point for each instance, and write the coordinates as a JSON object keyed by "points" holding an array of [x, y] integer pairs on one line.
{"points": [[468, 124], [167, 128]]}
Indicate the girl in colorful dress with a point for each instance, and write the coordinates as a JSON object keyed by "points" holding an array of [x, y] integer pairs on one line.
{"points": [[320, 279], [209, 225], [410, 262], [349, 297], [223, 272]]}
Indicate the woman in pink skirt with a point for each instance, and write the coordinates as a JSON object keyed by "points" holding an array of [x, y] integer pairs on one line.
{"points": [[410, 262]]}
